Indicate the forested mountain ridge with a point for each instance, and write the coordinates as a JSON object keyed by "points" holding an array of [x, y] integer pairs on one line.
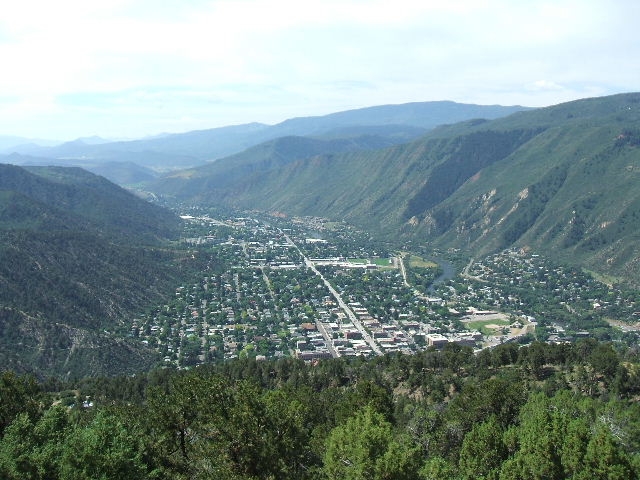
{"points": [[571, 190], [562, 177], [77, 255], [90, 198]]}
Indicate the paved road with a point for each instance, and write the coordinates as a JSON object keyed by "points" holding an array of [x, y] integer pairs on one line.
{"points": [[402, 270], [328, 338], [465, 273]]}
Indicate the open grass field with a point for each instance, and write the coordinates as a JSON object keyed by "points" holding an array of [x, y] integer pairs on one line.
{"points": [[358, 260], [606, 279], [415, 261], [487, 327], [382, 262], [332, 225]]}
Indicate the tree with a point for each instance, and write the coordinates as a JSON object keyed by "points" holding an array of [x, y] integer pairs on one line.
{"points": [[605, 361], [17, 394], [437, 468], [16, 450], [104, 449], [499, 397], [185, 423], [535, 359], [482, 451], [538, 456], [31, 450], [288, 417], [604, 459], [366, 393], [574, 447], [363, 448]]}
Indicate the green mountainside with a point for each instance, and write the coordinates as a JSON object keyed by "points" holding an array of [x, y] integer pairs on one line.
{"points": [[215, 177], [562, 179], [77, 256], [121, 173], [91, 197]]}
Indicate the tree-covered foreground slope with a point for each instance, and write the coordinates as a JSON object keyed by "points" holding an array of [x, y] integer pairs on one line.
{"points": [[562, 179], [77, 256], [536, 412]]}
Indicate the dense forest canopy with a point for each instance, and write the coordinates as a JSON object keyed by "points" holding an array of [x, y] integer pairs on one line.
{"points": [[538, 411]]}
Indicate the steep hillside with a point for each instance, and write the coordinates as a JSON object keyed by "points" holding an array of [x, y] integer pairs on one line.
{"points": [[78, 255], [123, 173], [256, 161], [92, 198], [120, 173], [561, 179], [380, 190], [572, 190]]}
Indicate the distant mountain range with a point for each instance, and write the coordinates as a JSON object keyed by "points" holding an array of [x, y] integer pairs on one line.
{"points": [[77, 255], [10, 143], [563, 180], [391, 123]]}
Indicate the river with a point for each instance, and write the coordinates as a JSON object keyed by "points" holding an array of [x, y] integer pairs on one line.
{"points": [[448, 272]]}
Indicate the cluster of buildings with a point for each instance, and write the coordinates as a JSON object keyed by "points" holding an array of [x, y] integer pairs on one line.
{"points": [[270, 300]]}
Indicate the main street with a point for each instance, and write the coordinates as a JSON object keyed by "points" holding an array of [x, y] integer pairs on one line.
{"points": [[341, 303], [327, 338]]}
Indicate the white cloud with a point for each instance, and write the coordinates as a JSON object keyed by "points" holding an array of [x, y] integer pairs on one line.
{"points": [[156, 66], [539, 85]]}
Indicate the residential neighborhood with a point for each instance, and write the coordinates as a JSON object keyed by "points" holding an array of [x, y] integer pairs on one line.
{"points": [[314, 289]]}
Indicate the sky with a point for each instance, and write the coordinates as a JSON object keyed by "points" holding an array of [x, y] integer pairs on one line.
{"points": [[133, 68]]}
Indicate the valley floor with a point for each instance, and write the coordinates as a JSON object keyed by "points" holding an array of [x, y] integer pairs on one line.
{"points": [[312, 289]]}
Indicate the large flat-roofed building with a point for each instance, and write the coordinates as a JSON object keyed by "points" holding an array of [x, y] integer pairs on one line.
{"points": [[436, 340]]}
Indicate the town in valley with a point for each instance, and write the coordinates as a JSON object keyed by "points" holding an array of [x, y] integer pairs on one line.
{"points": [[312, 289]]}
